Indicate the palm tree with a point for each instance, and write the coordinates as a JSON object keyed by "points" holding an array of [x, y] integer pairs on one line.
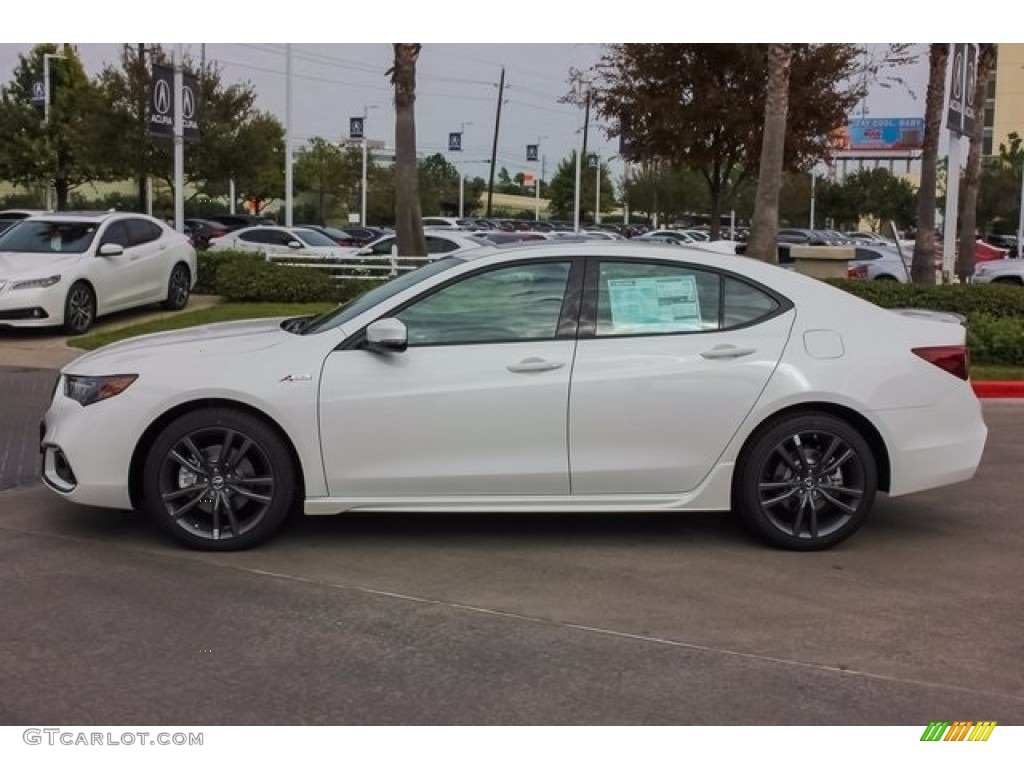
{"points": [[408, 216], [922, 268], [969, 198], [765, 225]]}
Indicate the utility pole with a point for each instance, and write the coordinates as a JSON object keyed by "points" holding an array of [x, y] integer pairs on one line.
{"points": [[143, 139], [288, 136], [494, 146], [179, 141], [579, 161]]}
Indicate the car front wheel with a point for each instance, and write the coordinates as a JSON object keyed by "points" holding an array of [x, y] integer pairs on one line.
{"points": [[178, 288], [806, 482], [79, 309], [219, 479]]}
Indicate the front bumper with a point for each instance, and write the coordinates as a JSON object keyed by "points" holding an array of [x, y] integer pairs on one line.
{"points": [[32, 307]]}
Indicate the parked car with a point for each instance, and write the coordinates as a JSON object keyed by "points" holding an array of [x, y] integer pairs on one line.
{"points": [[439, 244], [614, 378], [869, 237], [878, 262], [279, 241], [1004, 272], [12, 216], [63, 269], [365, 235], [202, 231], [339, 236], [235, 221]]}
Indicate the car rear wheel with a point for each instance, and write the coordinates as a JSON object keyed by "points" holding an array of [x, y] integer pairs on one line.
{"points": [[806, 482], [1009, 281], [79, 309], [178, 288], [219, 479]]}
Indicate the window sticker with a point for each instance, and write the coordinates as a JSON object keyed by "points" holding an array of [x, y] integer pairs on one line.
{"points": [[661, 304]]}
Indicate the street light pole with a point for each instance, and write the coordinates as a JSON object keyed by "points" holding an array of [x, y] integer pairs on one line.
{"points": [[362, 208], [462, 174], [46, 107], [597, 197], [179, 141], [288, 181]]}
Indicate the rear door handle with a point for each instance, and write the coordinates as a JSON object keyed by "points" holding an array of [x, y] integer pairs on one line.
{"points": [[535, 365], [726, 351]]}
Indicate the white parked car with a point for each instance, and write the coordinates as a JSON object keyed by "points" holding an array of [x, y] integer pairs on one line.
{"points": [[281, 241], [67, 269], [562, 377], [685, 237], [1002, 271], [439, 245], [879, 262]]}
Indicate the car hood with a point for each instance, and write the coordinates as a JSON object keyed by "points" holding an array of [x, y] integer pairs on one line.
{"points": [[15, 265], [216, 339]]}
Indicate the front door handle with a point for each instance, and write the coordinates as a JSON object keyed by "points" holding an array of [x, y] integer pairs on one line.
{"points": [[726, 351], [535, 365]]}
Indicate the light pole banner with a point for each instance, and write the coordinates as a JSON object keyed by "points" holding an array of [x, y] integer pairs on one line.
{"points": [[355, 128], [161, 101], [38, 91], [532, 152], [454, 142], [190, 107]]}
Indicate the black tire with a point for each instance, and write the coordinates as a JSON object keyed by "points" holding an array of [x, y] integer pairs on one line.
{"points": [[886, 278], [210, 503], [805, 482], [1009, 281], [179, 286], [79, 309]]}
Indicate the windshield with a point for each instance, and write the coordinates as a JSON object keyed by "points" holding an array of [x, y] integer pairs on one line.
{"points": [[370, 299], [312, 237], [49, 237]]}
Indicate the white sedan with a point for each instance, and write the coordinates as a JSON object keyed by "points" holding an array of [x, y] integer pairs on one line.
{"points": [[563, 377], [1002, 271], [274, 241], [67, 269], [439, 245]]}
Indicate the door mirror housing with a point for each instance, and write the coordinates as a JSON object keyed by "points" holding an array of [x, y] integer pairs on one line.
{"points": [[387, 335], [111, 249], [294, 244]]}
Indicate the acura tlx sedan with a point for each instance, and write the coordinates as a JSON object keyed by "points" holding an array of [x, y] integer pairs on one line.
{"points": [[583, 377]]}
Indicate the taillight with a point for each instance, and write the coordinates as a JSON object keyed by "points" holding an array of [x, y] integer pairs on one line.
{"points": [[858, 272], [952, 359]]}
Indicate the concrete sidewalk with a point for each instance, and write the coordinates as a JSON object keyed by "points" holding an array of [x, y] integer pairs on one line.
{"points": [[47, 348]]}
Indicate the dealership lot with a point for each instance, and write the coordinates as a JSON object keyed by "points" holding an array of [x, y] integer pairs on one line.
{"points": [[513, 619]]}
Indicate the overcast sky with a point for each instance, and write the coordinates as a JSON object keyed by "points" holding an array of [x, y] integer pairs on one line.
{"points": [[457, 84]]}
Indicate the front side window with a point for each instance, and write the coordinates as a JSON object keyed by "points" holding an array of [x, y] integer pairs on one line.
{"points": [[141, 231], [312, 237], [441, 245], [117, 233], [514, 303]]}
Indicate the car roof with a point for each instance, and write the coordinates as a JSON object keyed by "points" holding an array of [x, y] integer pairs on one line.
{"points": [[91, 216]]}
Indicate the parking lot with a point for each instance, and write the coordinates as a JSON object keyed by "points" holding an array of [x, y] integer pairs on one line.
{"points": [[512, 619]]}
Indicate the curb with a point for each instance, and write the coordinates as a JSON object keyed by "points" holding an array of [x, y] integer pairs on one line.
{"points": [[998, 389]]}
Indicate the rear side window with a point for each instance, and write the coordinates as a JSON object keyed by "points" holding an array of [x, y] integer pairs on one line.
{"points": [[743, 303], [256, 236]]}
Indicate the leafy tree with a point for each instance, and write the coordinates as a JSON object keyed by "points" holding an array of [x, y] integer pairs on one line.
{"points": [[972, 173], [260, 179], [63, 150], [408, 215], [327, 172], [702, 106], [922, 267], [562, 190], [439, 185], [999, 189], [669, 194], [881, 197], [765, 226]]}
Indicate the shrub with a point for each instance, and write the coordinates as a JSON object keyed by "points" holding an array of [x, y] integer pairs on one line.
{"points": [[258, 280], [209, 263], [969, 300], [996, 340]]}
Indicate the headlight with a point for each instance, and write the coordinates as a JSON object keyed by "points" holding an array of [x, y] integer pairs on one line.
{"points": [[38, 282], [91, 389]]}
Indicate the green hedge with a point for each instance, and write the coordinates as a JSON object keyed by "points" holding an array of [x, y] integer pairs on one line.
{"points": [[208, 263], [258, 280], [995, 313], [969, 300]]}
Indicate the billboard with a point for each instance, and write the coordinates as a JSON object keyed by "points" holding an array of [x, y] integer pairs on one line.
{"points": [[882, 133]]}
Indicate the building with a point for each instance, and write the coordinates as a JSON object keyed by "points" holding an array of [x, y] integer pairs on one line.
{"points": [[1004, 102]]}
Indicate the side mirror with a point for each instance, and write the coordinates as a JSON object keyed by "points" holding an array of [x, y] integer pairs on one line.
{"points": [[387, 335], [294, 244], [365, 251], [111, 249]]}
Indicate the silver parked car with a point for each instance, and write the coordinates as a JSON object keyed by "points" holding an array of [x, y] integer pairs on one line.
{"points": [[1005, 271]]}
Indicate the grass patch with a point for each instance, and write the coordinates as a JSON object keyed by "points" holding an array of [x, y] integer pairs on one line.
{"points": [[996, 373], [216, 314]]}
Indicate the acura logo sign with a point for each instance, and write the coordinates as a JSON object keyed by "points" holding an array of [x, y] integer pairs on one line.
{"points": [[162, 97], [188, 103]]}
